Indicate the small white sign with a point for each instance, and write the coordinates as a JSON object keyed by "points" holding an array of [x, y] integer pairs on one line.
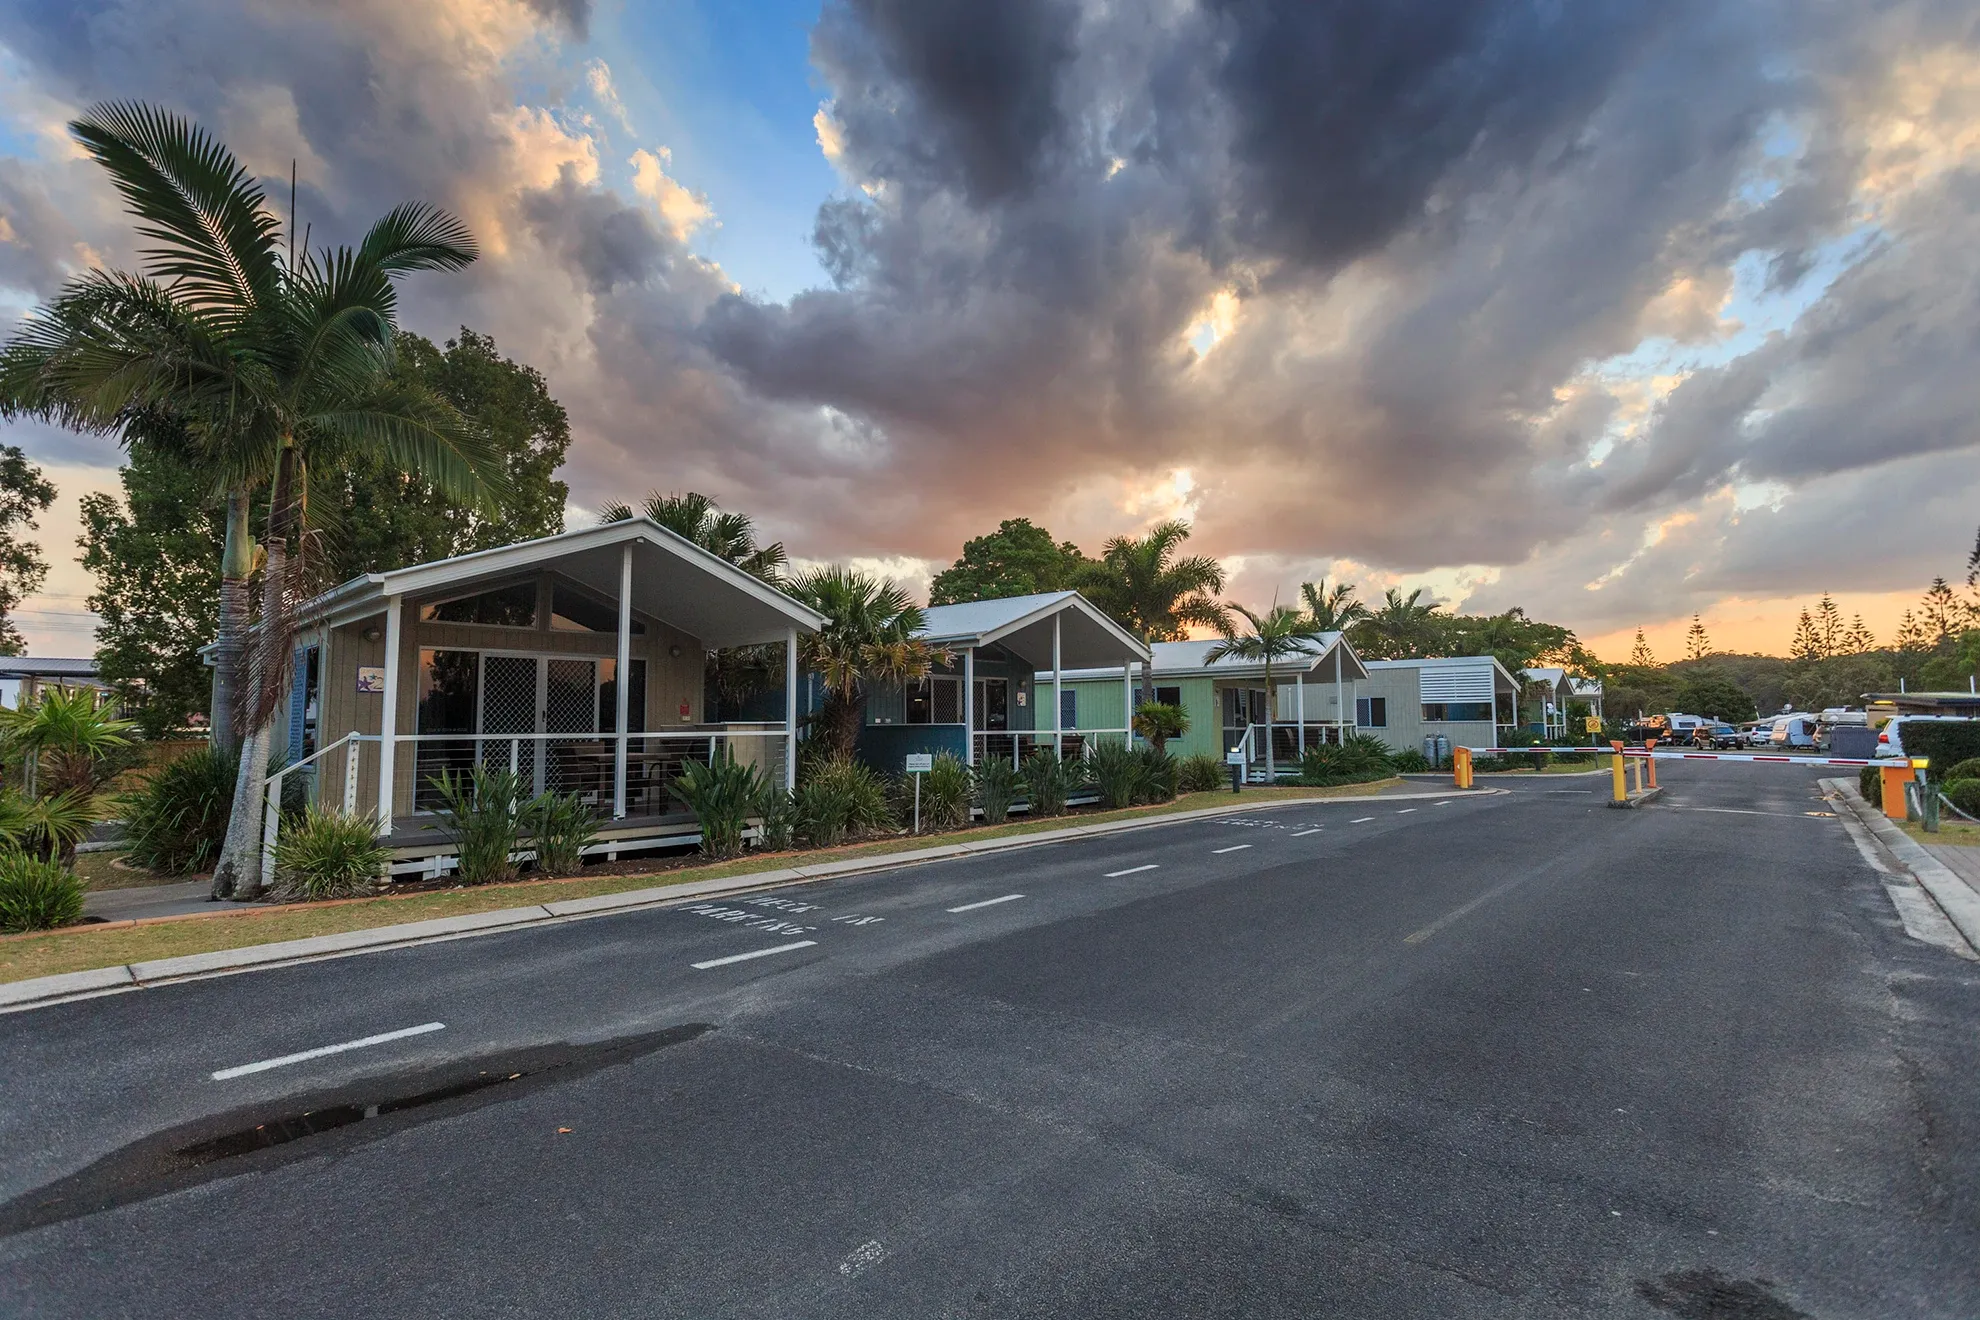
{"points": [[1233, 758], [920, 763]]}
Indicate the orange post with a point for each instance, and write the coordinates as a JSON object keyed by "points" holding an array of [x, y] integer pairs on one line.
{"points": [[1461, 766], [1650, 762], [1895, 777]]}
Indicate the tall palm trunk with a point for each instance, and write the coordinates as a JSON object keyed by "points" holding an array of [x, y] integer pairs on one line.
{"points": [[238, 872], [236, 566]]}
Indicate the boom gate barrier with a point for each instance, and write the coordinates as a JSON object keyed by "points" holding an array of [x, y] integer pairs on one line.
{"points": [[1896, 774]]}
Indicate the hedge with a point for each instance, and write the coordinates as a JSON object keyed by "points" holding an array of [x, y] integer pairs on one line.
{"points": [[1945, 743]]}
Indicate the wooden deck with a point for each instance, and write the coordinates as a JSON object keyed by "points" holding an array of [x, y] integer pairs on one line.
{"points": [[421, 845]]}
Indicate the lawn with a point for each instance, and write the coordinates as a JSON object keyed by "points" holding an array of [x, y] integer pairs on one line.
{"points": [[1952, 831], [81, 948]]}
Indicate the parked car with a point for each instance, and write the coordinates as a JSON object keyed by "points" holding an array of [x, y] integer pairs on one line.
{"points": [[1716, 737], [1757, 734], [1890, 741]]}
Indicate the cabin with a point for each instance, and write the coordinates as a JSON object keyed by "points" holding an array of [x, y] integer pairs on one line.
{"points": [[1466, 700], [987, 697], [575, 660], [1224, 701]]}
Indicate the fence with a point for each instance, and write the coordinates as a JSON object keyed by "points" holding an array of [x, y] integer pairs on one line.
{"points": [[1014, 745]]}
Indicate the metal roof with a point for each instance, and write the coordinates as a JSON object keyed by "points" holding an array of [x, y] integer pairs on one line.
{"points": [[674, 581], [1435, 662], [28, 666], [1023, 625], [1186, 660]]}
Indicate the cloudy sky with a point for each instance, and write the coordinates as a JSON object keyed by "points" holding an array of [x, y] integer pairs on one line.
{"points": [[1611, 309]]}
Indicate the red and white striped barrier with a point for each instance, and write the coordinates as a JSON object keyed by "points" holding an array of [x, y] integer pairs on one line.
{"points": [[1640, 753]]}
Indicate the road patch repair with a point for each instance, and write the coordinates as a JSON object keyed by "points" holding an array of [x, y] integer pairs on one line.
{"points": [[37, 992]]}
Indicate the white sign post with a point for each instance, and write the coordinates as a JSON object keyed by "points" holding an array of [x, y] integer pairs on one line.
{"points": [[1235, 760], [919, 764]]}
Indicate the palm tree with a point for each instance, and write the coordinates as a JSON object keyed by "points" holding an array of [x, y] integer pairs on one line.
{"points": [[728, 536], [1279, 634], [269, 366], [1400, 628], [870, 639], [1332, 609], [1152, 594]]}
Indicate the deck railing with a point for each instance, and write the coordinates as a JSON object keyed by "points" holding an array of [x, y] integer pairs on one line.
{"points": [[1014, 745]]}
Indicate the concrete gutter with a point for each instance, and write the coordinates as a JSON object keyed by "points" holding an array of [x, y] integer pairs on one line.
{"points": [[1954, 897], [1638, 799], [45, 990]]}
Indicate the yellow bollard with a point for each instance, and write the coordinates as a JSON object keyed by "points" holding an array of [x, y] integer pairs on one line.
{"points": [[1461, 766], [1895, 777], [1621, 786]]}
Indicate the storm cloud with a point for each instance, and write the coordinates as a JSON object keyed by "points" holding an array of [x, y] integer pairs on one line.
{"points": [[1622, 307]]}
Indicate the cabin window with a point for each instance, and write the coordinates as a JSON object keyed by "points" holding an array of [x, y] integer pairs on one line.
{"points": [[1373, 712], [608, 697], [513, 606], [572, 610], [1069, 709], [934, 701], [1457, 712], [1168, 696]]}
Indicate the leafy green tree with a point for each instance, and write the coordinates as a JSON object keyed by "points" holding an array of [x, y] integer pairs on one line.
{"points": [[155, 556], [1839, 680], [1020, 558], [25, 494], [869, 639], [1697, 644], [1830, 632], [1640, 655], [1516, 641], [1152, 593], [730, 537], [1274, 637], [1942, 614], [1332, 609], [1859, 638], [1704, 692]]}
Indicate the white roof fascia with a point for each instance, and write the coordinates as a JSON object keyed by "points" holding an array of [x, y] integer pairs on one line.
{"points": [[1076, 601]]}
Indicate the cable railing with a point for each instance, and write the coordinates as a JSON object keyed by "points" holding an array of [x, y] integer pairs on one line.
{"points": [[1014, 745]]}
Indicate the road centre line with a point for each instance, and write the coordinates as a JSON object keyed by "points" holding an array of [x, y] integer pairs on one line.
{"points": [[1236, 847], [754, 953], [1405, 811], [1362, 821], [988, 902], [1303, 833], [1149, 866], [303, 1056], [1417, 937]]}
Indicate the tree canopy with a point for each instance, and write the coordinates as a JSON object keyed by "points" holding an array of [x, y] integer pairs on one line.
{"points": [[25, 495], [1020, 558]]}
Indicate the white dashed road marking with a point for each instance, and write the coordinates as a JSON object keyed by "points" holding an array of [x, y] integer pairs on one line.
{"points": [[1362, 821], [1115, 875], [1405, 811], [1303, 833], [988, 902], [1236, 847], [754, 953], [303, 1056]]}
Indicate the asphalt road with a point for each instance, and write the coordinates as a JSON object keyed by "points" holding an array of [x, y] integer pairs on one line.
{"points": [[1515, 1055]]}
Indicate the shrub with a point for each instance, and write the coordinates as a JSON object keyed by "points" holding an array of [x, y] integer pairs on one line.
{"points": [[945, 793], [482, 814], [1968, 769], [723, 794], [327, 854], [840, 798], [1048, 781], [561, 826], [996, 789], [1410, 762], [1870, 783], [1965, 795], [51, 827], [1946, 743], [1201, 774], [779, 813], [1358, 759], [37, 894], [177, 821], [1116, 772], [1161, 775], [1157, 721]]}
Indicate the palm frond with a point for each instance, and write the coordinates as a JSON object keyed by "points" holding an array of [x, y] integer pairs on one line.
{"points": [[218, 244], [415, 236], [423, 435]]}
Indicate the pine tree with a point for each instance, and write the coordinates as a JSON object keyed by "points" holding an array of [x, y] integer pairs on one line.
{"points": [[1640, 653], [1911, 634], [1859, 638], [1941, 613], [1807, 644], [1828, 626], [1696, 644]]}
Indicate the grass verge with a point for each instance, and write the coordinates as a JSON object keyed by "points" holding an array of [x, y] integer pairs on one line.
{"points": [[81, 948]]}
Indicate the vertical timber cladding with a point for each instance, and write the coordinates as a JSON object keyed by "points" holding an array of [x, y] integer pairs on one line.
{"points": [[672, 680]]}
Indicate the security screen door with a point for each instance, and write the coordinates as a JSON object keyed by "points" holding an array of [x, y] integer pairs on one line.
{"points": [[540, 694]]}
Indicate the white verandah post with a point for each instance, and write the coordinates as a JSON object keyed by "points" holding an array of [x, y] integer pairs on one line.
{"points": [[388, 717], [1058, 697], [1340, 697], [1299, 710], [790, 710], [969, 705], [1127, 701], [622, 689]]}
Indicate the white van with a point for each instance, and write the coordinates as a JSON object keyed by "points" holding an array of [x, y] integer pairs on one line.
{"points": [[1891, 741], [1792, 731]]}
